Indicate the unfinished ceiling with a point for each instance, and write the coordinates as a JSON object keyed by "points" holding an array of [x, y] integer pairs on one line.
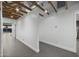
{"points": [[16, 9]]}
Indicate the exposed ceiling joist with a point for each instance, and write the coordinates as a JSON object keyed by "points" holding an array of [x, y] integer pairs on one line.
{"points": [[8, 5], [52, 5], [23, 11], [12, 16], [38, 6], [41, 14], [10, 11], [13, 11], [19, 3], [16, 9], [35, 3]]}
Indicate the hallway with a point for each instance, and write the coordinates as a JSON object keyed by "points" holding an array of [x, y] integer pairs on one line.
{"points": [[15, 48]]}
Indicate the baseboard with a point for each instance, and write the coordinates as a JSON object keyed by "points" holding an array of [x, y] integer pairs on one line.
{"points": [[59, 46], [32, 48]]}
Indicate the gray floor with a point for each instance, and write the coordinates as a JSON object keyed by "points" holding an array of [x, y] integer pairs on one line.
{"points": [[15, 48], [78, 47]]}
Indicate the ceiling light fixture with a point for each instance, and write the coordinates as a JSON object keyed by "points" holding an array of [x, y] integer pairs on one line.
{"points": [[17, 9], [33, 6], [27, 10], [11, 16], [46, 11]]}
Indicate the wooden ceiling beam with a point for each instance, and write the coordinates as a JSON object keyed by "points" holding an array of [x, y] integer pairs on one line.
{"points": [[12, 11], [23, 11], [19, 3], [52, 5], [9, 16], [35, 3], [9, 13], [41, 14], [14, 8]]}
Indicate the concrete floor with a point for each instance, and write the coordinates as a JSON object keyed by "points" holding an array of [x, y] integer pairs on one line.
{"points": [[78, 47], [15, 48]]}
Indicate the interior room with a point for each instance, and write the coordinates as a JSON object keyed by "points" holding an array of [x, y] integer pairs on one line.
{"points": [[40, 28]]}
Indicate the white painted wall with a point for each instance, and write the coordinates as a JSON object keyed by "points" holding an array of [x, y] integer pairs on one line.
{"points": [[60, 29], [27, 30], [8, 20]]}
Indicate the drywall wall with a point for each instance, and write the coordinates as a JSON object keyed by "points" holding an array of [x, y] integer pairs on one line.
{"points": [[8, 20], [59, 29], [27, 30]]}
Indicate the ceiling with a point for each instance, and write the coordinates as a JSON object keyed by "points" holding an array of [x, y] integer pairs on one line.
{"points": [[16, 9]]}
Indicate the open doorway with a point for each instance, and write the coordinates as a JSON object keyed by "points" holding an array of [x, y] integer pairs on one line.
{"points": [[8, 36]]}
